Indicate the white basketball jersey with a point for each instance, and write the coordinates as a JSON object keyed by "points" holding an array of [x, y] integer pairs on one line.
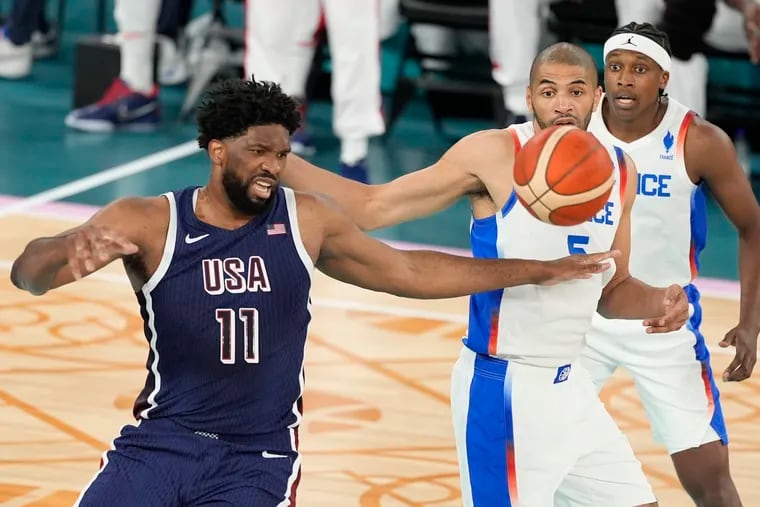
{"points": [[541, 325], [668, 218]]}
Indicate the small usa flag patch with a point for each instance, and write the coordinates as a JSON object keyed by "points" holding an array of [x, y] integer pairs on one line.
{"points": [[274, 229]]}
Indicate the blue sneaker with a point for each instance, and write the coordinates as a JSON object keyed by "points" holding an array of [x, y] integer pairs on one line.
{"points": [[356, 172], [120, 108]]}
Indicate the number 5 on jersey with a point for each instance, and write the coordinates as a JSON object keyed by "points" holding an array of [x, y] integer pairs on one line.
{"points": [[227, 326], [576, 244]]}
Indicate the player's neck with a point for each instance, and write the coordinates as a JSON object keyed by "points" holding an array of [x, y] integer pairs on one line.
{"points": [[631, 129], [214, 208]]}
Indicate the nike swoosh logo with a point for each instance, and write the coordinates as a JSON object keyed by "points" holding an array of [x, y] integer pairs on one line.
{"points": [[125, 114], [189, 240], [267, 454]]}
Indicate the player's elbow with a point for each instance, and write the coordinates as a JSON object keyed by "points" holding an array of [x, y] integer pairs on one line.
{"points": [[403, 286], [16, 275], [607, 306], [21, 280], [405, 280], [377, 210], [751, 232], [603, 310]]}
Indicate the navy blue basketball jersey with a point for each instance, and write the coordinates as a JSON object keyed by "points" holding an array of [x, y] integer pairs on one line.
{"points": [[226, 316]]}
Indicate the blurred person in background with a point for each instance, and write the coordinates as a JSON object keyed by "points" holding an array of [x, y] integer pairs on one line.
{"points": [[24, 36], [131, 102], [173, 18], [515, 35], [280, 43]]}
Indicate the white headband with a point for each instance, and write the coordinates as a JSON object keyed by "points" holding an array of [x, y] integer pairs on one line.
{"points": [[640, 44]]}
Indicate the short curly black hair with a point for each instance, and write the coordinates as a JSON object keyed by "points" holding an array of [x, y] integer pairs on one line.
{"points": [[232, 106], [647, 30]]}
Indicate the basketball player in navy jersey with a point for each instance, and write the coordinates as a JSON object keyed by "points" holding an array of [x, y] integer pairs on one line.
{"points": [[530, 429], [677, 153], [222, 275]]}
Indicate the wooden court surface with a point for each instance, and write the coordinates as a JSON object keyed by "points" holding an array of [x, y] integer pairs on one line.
{"points": [[376, 429]]}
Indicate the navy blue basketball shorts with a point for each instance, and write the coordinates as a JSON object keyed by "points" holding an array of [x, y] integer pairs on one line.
{"points": [[158, 463]]}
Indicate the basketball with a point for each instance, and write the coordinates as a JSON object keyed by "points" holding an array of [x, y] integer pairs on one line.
{"points": [[563, 175]]}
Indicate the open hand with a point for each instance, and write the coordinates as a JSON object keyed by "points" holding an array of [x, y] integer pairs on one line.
{"points": [[676, 312], [576, 267], [91, 247], [746, 354]]}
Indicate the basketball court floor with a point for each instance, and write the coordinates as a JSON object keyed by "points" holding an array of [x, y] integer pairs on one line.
{"points": [[376, 430]]}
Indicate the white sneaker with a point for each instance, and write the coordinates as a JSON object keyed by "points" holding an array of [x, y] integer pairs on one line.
{"points": [[172, 67], [15, 61]]}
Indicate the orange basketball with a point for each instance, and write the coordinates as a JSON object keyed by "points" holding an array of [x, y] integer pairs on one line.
{"points": [[563, 175]]}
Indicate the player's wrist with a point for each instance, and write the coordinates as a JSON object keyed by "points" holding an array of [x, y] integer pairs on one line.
{"points": [[545, 272], [751, 328]]}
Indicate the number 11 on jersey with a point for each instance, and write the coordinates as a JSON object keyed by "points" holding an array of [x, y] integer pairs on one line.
{"points": [[227, 326]]}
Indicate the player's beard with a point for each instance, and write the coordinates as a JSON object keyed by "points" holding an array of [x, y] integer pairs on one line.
{"points": [[238, 195], [580, 123]]}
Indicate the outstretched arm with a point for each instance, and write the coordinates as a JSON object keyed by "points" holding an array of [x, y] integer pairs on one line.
{"points": [[48, 263], [710, 156], [626, 297], [349, 255], [413, 195]]}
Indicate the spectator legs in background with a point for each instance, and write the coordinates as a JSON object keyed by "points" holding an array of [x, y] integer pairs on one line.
{"points": [[515, 34], [16, 52], [173, 18], [131, 102], [280, 48]]}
